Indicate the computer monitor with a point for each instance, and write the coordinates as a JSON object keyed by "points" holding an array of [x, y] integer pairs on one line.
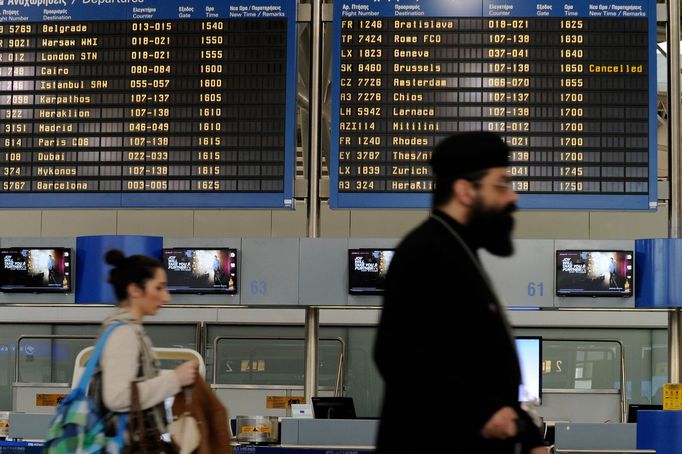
{"points": [[333, 408], [367, 270], [35, 269], [634, 408], [594, 273], [201, 270], [529, 350]]}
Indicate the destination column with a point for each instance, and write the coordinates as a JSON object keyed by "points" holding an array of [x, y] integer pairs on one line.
{"points": [[69, 95], [425, 62]]}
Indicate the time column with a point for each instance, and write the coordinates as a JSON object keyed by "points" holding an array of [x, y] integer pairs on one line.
{"points": [[572, 112], [207, 172], [362, 139]]}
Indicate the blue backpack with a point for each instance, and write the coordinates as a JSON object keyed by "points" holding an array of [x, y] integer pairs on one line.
{"points": [[78, 426]]}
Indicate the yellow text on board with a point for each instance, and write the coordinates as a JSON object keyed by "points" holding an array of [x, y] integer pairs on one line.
{"points": [[282, 401], [49, 400], [262, 428]]}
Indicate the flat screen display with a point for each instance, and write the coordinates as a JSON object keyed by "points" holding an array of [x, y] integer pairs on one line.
{"points": [[633, 410], [148, 103], [529, 350], [594, 273], [569, 86], [367, 270], [200, 271], [333, 408], [37, 270]]}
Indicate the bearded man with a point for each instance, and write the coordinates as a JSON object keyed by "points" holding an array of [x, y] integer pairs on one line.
{"points": [[441, 314]]}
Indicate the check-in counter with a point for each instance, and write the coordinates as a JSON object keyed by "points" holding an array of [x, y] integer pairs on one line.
{"points": [[307, 436], [356, 434], [28, 447]]}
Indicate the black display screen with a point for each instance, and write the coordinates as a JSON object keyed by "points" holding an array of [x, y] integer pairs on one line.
{"points": [[594, 273], [367, 270], [200, 271], [36, 270], [184, 99], [570, 86]]}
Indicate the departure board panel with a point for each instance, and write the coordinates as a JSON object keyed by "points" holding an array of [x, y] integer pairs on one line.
{"points": [[570, 86], [158, 103]]}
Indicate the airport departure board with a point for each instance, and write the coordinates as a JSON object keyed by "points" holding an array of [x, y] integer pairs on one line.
{"points": [[570, 86], [158, 103]]}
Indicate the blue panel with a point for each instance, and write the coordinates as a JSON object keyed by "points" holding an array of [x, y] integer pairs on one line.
{"points": [[415, 9], [65, 11], [244, 200], [660, 430], [657, 262], [20, 447], [91, 271], [60, 200]]}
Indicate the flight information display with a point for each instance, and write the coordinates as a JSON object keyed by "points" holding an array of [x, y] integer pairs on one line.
{"points": [[166, 103], [569, 85]]}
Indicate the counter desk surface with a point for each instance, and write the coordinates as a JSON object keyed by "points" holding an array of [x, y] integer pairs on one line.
{"points": [[34, 447]]}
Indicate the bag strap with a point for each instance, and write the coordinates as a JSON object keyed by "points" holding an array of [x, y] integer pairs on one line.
{"points": [[93, 361], [136, 424]]}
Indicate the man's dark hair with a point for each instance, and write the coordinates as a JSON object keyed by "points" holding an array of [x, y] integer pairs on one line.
{"points": [[466, 155], [442, 192], [135, 269]]}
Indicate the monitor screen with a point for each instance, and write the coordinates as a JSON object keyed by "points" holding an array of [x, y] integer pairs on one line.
{"points": [[634, 408], [367, 270], [36, 270], [594, 273], [529, 350], [333, 408], [201, 271]]}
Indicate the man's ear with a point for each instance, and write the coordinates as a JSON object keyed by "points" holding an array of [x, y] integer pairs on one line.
{"points": [[463, 191]]}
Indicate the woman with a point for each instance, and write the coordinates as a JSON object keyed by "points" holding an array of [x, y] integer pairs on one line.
{"points": [[140, 286]]}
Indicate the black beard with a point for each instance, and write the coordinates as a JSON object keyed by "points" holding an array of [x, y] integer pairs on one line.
{"points": [[493, 228]]}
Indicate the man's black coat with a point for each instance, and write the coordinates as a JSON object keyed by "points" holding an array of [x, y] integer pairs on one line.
{"points": [[440, 315]]}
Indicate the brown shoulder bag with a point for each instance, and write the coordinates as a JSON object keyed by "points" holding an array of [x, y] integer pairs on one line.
{"points": [[143, 435]]}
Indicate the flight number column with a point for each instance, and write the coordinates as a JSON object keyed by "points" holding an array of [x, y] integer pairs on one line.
{"points": [[363, 139], [147, 140], [17, 69]]}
